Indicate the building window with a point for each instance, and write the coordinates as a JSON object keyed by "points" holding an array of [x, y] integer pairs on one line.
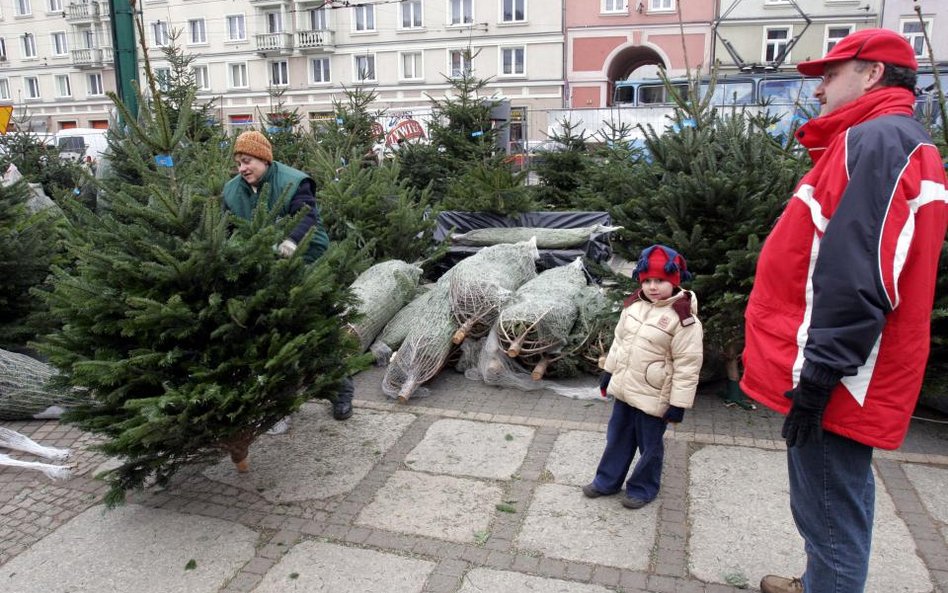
{"points": [[460, 63], [512, 61], [22, 7], [59, 43], [834, 33], [202, 79], [95, 84], [320, 70], [5, 89], [238, 76], [514, 11], [235, 28], [159, 30], [411, 66], [32, 87], [63, 88], [318, 19], [87, 37], [279, 73], [775, 41], [661, 5], [411, 14], [613, 5], [462, 12], [29, 46], [364, 68], [915, 35], [274, 21], [163, 78], [3, 50], [55, 5], [364, 17], [197, 31]]}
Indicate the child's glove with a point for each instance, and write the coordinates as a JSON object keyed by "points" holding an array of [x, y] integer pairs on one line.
{"points": [[805, 419], [604, 379], [674, 415], [287, 248]]}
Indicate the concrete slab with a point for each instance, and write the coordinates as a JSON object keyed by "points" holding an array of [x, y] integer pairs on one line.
{"points": [[132, 548], [931, 483], [318, 458], [442, 507], [742, 528], [313, 567], [575, 456], [562, 523], [485, 580], [477, 449]]}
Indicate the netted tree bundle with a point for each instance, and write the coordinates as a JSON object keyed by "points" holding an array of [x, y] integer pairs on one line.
{"points": [[590, 337], [545, 238], [25, 391], [542, 312], [483, 283], [382, 291], [424, 350], [394, 332]]}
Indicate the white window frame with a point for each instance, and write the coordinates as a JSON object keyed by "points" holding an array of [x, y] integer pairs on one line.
{"points": [[325, 70], [237, 82], [5, 89], [413, 12], [279, 72], [274, 21], [59, 43], [465, 63], [159, 33], [413, 70], [29, 46], [87, 35], [615, 6], [31, 87], [163, 77], [54, 6], [22, 8], [363, 18], [509, 9], [827, 40], [3, 48], [63, 85], [202, 77], [513, 62], [318, 19], [236, 23], [358, 68], [917, 39], [460, 13], [94, 85], [197, 31], [777, 43], [661, 5]]}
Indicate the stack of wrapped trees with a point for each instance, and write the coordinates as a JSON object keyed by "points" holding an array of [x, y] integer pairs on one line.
{"points": [[381, 291]]}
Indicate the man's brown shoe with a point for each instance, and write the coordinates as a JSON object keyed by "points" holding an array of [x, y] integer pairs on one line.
{"points": [[774, 584]]}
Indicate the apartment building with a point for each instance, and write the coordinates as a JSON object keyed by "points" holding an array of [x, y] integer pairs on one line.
{"points": [[56, 55]]}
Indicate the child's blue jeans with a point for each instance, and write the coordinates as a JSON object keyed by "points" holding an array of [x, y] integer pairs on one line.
{"points": [[631, 429]]}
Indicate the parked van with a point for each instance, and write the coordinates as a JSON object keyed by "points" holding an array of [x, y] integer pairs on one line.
{"points": [[76, 144]]}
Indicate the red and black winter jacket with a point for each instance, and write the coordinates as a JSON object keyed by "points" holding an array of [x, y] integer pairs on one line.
{"points": [[845, 281]]}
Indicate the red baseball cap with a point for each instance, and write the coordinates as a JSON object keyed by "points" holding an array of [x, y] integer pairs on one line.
{"points": [[871, 45]]}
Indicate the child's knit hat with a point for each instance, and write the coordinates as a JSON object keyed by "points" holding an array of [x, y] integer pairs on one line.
{"points": [[664, 263], [255, 144]]}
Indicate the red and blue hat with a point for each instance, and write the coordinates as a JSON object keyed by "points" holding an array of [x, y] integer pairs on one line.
{"points": [[662, 262]]}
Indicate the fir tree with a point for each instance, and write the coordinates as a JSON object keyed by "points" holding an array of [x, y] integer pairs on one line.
{"points": [[354, 131], [562, 172]]}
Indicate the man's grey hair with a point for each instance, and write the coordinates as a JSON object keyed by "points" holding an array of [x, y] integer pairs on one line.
{"points": [[898, 76]]}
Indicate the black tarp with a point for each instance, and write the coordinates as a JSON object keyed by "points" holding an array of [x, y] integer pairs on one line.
{"points": [[596, 249]]}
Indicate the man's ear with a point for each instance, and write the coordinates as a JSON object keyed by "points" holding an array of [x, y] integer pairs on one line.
{"points": [[874, 75]]}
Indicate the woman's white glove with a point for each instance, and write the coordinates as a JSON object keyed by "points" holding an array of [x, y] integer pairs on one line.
{"points": [[287, 248]]}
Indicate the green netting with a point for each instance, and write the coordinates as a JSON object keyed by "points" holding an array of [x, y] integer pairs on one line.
{"points": [[545, 238], [382, 291]]}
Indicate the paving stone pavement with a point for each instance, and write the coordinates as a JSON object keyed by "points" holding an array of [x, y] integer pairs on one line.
{"points": [[471, 489]]}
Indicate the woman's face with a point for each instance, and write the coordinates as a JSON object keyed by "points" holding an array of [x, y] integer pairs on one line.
{"points": [[250, 168]]}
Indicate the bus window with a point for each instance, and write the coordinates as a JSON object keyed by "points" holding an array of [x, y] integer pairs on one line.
{"points": [[730, 92], [656, 94], [625, 94], [792, 90]]}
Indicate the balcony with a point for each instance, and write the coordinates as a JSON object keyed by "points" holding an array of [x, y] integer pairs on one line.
{"points": [[316, 41], [271, 44], [87, 58], [86, 12]]}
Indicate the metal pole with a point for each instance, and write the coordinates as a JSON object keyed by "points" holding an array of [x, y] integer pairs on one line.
{"points": [[122, 23]]}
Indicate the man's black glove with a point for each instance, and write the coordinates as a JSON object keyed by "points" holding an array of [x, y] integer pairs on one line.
{"points": [[604, 379], [805, 419], [674, 415]]}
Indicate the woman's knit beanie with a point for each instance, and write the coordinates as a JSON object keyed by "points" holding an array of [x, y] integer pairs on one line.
{"points": [[255, 144]]}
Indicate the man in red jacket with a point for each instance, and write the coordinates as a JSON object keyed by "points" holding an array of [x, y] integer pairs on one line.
{"points": [[837, 325]]}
